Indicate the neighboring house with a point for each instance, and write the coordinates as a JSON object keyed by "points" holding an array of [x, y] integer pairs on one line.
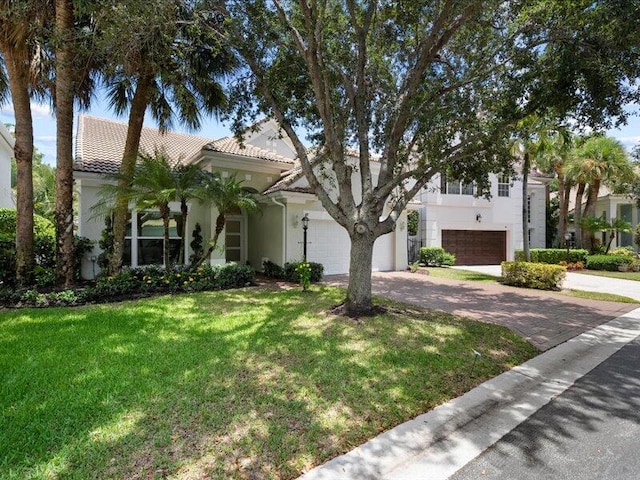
{"points": [[265, 162], [480, 231], [612, 206], [6, 154]]}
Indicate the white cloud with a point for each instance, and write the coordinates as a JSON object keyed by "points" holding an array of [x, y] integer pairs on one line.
{"points": [[45, 138], [39, 111]]}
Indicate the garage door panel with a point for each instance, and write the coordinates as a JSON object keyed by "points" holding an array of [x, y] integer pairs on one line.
{"points": [[330, 245], [476, 247]]}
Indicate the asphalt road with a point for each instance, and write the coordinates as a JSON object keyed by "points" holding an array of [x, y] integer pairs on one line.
{"points": [[591, 431]]}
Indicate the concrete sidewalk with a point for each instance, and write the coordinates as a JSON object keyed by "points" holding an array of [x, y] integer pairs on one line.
{"points": [[437, 444], [546, 319], [577, 281]]}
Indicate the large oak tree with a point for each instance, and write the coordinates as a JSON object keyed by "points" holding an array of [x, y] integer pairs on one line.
{"points": [[427, 86]]}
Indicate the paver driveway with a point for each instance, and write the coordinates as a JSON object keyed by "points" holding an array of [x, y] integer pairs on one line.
{"points": [[546, 319]]}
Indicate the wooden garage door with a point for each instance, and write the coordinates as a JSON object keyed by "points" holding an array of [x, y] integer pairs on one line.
{"points": [[476, 247]]}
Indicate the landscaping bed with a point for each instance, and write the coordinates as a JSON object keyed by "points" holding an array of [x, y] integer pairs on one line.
{"points": [[243, 383]]}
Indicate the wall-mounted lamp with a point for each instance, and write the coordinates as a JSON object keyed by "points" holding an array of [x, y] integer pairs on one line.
{"points": [[478, 217], [93, 259]]}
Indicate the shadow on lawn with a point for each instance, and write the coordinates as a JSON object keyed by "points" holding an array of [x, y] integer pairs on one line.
{"points": [[225, 384]]}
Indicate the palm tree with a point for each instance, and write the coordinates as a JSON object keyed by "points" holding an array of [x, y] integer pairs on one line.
{"points": [[226, 195], [173, 68], [187, 187], [596, 161], [153, 186], [617, 225], [20, 25], [536, 137]]}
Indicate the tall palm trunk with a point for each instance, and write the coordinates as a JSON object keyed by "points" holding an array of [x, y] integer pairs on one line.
{"points": [[562, 209], [64, 142], [134, 130], [184, 209], [577, 217], [525, 211], [590, 211], [17, 69]]}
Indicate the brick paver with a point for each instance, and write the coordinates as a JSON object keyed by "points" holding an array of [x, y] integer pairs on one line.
{"points": [[546, 319]]}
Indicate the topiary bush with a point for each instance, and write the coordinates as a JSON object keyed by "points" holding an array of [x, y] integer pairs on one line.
{"points": [[290, 272], [541, 276], [610, 263], [436, 257], [554, 255]]}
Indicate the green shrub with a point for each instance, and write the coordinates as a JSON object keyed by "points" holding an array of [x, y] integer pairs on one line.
{"points": [[448, 259], [436, 257], [233, 275], [290, 273], [44, 245], [608, 262], [554, 255], [627, 251], [533, 275], [272, 270]]}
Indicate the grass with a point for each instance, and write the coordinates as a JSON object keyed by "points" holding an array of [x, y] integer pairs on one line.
{"points": [[599, 296], [455, 274], [622, 275], [236, 384]]}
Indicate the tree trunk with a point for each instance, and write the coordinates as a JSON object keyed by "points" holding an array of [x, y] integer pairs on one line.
{"points": [[525, 211], [64, 143], [127, 168], [23, 152], [562, 211], [183, 240], [590, 211], [358, 301], [165, 212], [577, 216], [214, 242]]}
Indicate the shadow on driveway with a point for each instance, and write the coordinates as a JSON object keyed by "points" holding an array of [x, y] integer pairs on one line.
{"points": [[546, 319]]}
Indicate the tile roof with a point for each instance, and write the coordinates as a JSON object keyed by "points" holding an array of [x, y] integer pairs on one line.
{"points": [[284, 184], [231, 146], [100, 143]]}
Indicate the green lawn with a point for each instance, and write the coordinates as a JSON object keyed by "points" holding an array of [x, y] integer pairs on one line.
{"points": [[455, 274], [623, 275], [236, 384], [598, 296]]}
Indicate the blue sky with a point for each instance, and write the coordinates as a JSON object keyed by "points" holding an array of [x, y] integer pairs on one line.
{"points": [[45, 127]]}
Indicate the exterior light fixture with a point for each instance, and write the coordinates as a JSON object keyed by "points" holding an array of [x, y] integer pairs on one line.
{"points": [[478, 217], [305, 227]]}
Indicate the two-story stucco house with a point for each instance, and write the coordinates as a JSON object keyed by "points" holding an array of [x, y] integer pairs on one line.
{"points": [[6, 154], [265, 163], [480, 231]]}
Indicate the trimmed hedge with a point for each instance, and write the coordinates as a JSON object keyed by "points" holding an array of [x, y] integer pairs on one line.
{"points": [[135, 282], [554, 255], [289, 272], [608, 262], [436, 257], [541, 276]]}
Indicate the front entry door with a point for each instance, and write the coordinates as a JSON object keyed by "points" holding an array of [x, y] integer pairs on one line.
{"points": [[234, 240]]}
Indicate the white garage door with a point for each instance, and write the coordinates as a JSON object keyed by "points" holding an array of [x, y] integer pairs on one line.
{"points": [[329, 244]]}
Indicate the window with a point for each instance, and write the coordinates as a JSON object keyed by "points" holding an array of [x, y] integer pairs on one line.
{"points": [[504, 185], [144, 238], [455, 187]]}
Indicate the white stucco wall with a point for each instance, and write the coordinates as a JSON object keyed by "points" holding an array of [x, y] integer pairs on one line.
{"points": [[6, 154], [537, 219], [460, 212]]}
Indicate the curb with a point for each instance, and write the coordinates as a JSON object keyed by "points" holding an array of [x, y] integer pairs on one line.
{"points": [[436, 444]]}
